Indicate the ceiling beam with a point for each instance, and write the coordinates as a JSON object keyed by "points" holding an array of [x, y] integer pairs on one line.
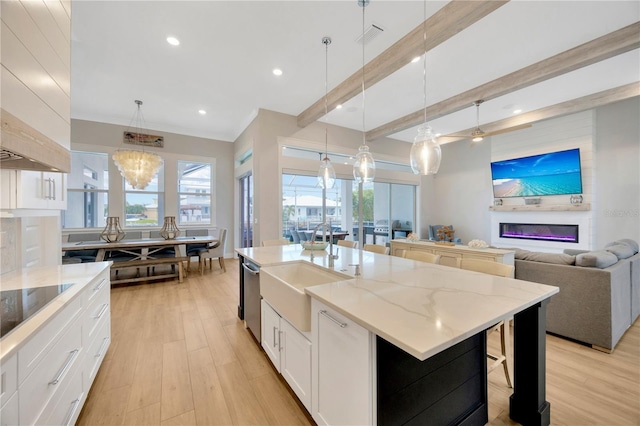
{"points": [[444, 24], [569, 107], [605, 47]]}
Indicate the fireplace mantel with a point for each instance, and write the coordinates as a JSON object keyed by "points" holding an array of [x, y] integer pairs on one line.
{"points": [[542, 208]]}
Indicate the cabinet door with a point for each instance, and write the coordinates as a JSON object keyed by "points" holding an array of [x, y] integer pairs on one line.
{"points": [[31, 190], [295, 362], [271, 333], [342, 369], [10, 412], [449, 259]]}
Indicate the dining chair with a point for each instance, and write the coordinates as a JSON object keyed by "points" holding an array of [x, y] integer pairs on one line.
{"points": [[295, 236], [84, 256], [506, 356], [278, 242], [422, 256], [347, 243], [119, 256], [376, 248], [193, 250], [303, 236], [215, 251]]}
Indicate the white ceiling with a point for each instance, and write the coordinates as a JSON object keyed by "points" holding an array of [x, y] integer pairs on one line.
{"points": [[229, 48]]}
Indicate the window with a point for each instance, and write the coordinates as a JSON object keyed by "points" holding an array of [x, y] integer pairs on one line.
{"points": [[194, 192], [87, 191], [145, 207]]}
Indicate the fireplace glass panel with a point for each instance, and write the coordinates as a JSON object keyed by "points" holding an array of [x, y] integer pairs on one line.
{"points": [[539, 231]]}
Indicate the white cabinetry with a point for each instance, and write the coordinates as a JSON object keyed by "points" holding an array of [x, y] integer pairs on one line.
{"points": [[56, 365], [342, 369], [24, 189], [289, 351]]}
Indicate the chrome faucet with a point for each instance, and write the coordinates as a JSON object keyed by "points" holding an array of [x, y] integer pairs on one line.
{"points": [[324, 225]]}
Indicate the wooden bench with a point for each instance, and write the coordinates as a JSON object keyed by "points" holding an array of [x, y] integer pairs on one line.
{"points": [[149, 263]]}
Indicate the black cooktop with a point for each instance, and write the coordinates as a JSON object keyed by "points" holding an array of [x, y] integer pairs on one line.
{"points": [[18, 305]]}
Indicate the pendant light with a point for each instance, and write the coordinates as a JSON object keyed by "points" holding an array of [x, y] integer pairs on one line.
{"points": [[364, 167], [137, 167], [326, 173], [425, 152]]}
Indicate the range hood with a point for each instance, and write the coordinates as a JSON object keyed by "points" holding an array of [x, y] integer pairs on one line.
{"points": [[23, 147]]}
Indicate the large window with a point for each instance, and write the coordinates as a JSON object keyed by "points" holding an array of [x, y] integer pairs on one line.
{"points": [[145, 207], [194, 192], [88, 186]]}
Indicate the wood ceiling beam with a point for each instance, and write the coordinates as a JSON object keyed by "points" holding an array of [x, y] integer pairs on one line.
{"points": [[444, 24], [605, 47], [569, 107]]}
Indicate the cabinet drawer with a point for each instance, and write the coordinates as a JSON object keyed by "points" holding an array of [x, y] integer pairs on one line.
{"points": [[65, 407], [97, 311], [51, 374], [98, 286], [8, 378], [37, 347], [9, 413], [96, 351]]}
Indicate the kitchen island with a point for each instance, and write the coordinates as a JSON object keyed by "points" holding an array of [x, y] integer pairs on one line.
{"points": [[426, 328]]}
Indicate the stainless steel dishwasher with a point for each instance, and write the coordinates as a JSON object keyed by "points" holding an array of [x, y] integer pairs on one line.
{"points": [[251, 275]]}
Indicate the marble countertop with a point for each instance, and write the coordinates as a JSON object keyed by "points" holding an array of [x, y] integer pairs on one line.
{"points": [[79, 274], [420, 307], [454, 246]]}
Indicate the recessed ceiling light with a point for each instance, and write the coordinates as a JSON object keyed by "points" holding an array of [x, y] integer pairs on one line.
{"points": [[339, 106], [517, 111], [277, 71], [416, 59], [202, 112], [438, 135], [173, 41]]}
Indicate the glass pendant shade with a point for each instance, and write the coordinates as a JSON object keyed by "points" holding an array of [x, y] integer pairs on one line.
{"points": [[425, 152], [364, 167], [326, 174], [137, 167]]}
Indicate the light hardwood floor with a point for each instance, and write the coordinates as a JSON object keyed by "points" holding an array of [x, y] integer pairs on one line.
{"points": [[180, 356]]}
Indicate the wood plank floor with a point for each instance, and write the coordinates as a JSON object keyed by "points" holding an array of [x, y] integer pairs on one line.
{"points": [[180, 356]]}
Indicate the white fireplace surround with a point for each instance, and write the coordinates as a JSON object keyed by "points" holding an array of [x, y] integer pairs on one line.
{"points": [[580, 218]]}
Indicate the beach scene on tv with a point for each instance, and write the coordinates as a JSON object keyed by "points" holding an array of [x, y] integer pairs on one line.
{"points": [[555, 173]]}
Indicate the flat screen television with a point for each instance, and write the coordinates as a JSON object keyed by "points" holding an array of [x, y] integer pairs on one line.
{"points": [[553, 173]]}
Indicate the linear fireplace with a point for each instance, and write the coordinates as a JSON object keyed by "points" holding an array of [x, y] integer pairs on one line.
{"points": [[539, 231]]}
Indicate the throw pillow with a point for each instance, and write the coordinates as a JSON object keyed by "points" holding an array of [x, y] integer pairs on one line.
{"points": [[596, 259], [555, 258], [621, 250], [632, 243]]}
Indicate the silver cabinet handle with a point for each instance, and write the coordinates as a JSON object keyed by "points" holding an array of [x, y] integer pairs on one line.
{"points": [[72, 357], [72, 412], [249, 270], [53, 191], [50, 189], [99, 286], [341, 324], [274, 336], [105, 342], [101, 313]]}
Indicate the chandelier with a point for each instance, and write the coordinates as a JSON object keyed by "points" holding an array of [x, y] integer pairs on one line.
{"points": [[425, 152], [137, 167]]}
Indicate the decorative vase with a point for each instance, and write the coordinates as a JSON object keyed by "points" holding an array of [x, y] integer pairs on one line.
{"points": [[112, 232], [169, 230]]}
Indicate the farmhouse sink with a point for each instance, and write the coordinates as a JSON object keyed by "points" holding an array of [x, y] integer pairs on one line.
{"points": [[282, 286]]}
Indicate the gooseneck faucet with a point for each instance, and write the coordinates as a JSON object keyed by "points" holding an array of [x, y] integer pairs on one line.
{"points": [[327, 227]]}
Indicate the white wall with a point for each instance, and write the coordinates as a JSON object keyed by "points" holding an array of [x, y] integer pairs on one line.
{"points": [[618, 172]]}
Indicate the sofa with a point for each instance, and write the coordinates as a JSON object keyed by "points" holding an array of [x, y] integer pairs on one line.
{"points": [[596, 304]]}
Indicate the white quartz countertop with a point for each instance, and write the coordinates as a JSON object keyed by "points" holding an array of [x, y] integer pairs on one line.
{"points": [[419, 307], [79, 274]]}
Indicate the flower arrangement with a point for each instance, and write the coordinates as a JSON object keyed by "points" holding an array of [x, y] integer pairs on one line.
{"points": [[478, 244]]}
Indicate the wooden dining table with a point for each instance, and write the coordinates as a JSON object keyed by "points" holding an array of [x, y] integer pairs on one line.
{"points": [[142, 252]]}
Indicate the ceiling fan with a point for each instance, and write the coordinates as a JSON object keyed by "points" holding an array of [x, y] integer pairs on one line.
{"points": [[477, 135]]}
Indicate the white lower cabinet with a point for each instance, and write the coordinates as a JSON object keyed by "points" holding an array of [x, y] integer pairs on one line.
{"points": [[289, 351], [10, 412], [343, 373]]}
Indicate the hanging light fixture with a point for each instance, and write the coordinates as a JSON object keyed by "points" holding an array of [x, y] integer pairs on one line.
{"points": [[326, 173], [425, 152], [364, 167], [137, 167]]}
